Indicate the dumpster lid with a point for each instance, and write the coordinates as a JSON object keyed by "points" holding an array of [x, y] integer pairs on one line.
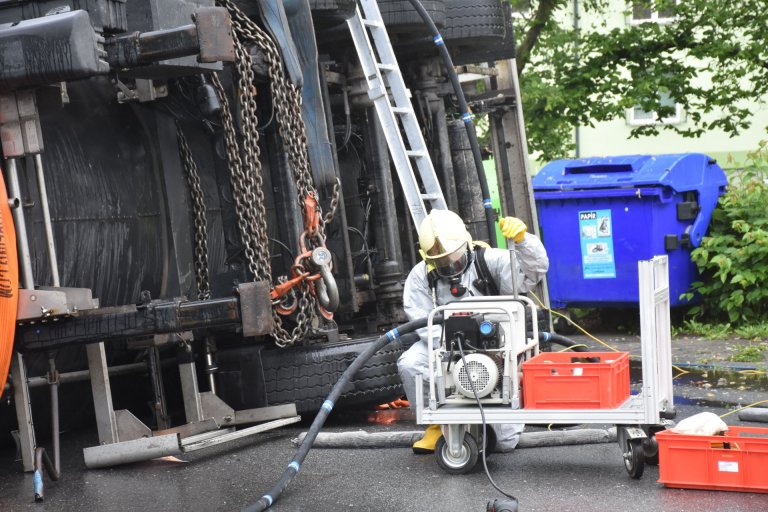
{"points": [[681, 172]]}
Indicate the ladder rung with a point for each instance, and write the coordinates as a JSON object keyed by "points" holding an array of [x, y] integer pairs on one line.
{"points": [[373, 23], [386, 67], [402, 110], [416, 154], [431, 197]]}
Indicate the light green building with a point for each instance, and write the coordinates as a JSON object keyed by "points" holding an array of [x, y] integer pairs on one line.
{"points": [[612, 138]]}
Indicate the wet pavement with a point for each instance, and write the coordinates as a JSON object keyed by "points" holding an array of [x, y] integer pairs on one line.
{"points": [[574, 478]]}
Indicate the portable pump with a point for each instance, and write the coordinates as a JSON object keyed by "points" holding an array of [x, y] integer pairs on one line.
{"points": [[482, 337]]}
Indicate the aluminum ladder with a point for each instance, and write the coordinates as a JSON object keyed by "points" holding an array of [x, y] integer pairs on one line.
{"points": [[394, 112]]}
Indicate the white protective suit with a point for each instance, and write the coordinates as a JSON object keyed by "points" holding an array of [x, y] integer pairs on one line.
{"points": [[532, 264]]}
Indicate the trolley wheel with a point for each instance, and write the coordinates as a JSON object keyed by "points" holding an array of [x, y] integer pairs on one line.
{"points": [[634, 458], [651, 450], [461, 464]]}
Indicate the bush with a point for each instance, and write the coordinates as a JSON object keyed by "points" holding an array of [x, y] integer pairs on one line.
{"points": [[733, 258]]}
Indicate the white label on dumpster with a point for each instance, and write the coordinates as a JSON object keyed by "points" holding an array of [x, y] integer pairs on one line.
{"points": [[596, 235], [727, 466]]}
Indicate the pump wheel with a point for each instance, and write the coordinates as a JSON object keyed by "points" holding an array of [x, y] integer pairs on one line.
{"points": [[634, 458], [461, 464]]}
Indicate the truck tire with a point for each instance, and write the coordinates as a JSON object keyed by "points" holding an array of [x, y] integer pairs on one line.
{"points": [[331, 12], [475, 20], [400, 16], [478, 31], [305, 375]]}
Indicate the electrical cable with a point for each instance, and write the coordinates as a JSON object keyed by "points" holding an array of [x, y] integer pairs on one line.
{"points": [[466, 116], [573, 347], [393, 335], [742, 408], [595, 338], [482, 418]]}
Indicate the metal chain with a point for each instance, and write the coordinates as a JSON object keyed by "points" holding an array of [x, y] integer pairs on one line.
{"points": [[198, 208], [335, 198], [238, 182], [287, 102]]}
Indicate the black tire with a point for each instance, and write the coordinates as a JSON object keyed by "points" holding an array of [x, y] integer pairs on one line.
{"points": [[478, 31], [305, 375], [474, 20], [460, 466], [634, 458], [400, 17], [331, 12]]}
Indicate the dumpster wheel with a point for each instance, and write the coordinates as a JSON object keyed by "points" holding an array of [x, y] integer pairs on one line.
{"points": [[9, 284]]}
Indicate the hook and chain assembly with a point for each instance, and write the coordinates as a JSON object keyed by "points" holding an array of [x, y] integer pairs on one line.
{"points": [[311, 285]]}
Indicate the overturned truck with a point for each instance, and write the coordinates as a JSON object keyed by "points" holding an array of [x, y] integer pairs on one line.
{"points": [[201, 192]]}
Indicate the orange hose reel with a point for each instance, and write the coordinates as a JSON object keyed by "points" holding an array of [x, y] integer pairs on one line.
{"points": [[9, 284]]}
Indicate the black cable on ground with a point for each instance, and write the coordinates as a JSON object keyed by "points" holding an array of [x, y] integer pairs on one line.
{"points": [[293, 468], [466, 116], [485, 427]]}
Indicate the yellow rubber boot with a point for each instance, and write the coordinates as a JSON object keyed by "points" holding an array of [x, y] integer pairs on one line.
{"points": [[427, 443]]}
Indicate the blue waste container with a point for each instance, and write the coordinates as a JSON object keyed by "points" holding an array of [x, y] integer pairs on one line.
{"points": [[600, 216]]}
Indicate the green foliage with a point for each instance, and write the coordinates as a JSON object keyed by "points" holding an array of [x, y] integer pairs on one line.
{"points": [[720, 331], [733, 258], [749, 354], [711, 60]]}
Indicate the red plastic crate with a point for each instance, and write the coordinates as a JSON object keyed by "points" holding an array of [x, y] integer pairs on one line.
{"points": [[737, 461], [566, 380]]}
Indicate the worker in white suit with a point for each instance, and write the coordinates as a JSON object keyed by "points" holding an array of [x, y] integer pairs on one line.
{"points": [[449, 272]]}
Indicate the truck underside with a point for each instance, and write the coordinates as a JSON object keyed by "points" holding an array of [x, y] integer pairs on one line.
{"points": [[180, 178]]}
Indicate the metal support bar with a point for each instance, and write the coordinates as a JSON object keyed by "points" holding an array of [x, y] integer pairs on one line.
{"points": [[193, 405], [81, 375], [257, 429], [156, 374], [119, 323], [52, 259], [53, 378], [16, 201], [209, 38], [136, 450], [102, 394], [23, 412]]}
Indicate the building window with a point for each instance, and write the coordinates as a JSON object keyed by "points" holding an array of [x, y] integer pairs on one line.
{"points": [[637, 116], [658, 11]]}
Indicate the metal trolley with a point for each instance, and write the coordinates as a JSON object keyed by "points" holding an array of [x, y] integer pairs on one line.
{"points": [[637, 419]]}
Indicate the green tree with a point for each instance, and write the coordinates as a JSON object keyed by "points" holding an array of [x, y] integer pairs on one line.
{"points": [[577, 77]]}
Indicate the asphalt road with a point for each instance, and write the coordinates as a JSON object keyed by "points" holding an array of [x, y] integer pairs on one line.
{"points": [[563, 479]]}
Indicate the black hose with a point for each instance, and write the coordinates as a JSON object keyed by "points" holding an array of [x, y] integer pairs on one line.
{"points": [[557, 339], [293, 468], [465, 116]]}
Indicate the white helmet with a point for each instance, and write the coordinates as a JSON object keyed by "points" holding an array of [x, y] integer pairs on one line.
{"points": [[445, 243]]}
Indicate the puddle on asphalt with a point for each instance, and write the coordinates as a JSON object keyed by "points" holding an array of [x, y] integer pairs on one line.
{"points": [[710, 378]]}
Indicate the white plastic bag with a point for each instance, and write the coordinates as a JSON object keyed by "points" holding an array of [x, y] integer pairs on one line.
{"points": [[702, 424]]}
